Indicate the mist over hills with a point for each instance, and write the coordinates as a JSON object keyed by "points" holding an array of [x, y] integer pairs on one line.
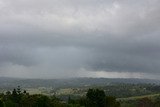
{"points": [[10, 83]]}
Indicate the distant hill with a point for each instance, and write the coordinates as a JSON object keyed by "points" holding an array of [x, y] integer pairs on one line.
{"points": [[10, 83]]}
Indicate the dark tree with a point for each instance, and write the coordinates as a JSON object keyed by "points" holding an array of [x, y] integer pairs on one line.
{"points": [[42, 101], [1, 104], [19, 90], [16, 95], [96, 98], [111, 102]]}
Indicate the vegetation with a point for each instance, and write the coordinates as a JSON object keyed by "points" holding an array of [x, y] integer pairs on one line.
{"points": [[93, 98], [113, 95]]}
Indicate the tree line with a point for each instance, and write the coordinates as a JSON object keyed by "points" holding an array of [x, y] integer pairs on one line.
{"points": [[19, 98], [93, 98]]}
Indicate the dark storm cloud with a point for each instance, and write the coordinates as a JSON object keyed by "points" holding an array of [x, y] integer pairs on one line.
{"points": [[68, 38]]}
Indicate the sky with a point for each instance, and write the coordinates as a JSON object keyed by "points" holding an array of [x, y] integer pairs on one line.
{"points": [[80, 38]]}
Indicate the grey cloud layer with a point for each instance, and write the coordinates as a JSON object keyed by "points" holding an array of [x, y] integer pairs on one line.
{"points": [[53, 38]]}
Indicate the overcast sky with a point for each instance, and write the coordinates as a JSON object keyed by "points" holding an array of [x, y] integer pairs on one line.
{"points": [[80, 38]]}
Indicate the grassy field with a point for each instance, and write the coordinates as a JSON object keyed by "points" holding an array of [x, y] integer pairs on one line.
{"points": [[138, 97]]}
